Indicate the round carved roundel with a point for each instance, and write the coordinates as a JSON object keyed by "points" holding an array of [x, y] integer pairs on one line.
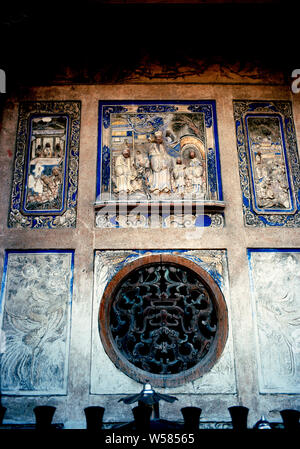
{"points": [[163, 319]]}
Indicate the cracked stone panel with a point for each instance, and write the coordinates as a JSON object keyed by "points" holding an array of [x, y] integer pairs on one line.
{"points": [[275, 285], [36, 311]]}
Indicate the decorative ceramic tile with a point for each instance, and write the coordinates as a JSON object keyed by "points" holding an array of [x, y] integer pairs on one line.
{"points": [[268, 163], [44, 189], [275, 285], [220, 379], [158, 152], [142, 219], [35, 309]]}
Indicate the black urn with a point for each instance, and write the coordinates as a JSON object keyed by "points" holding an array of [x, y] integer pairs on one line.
{"points": [[239, 417], [94, 417], [191, 416], [43, 416]]}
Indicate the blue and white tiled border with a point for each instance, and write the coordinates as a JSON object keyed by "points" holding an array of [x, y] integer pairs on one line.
{"points": [[57, 177], [255, 215]]}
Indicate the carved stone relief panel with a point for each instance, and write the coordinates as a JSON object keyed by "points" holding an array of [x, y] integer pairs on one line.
{"points": [[275, 285], [268, 163], [157, 152], [44, 189], [35, 309], [219, 378]]}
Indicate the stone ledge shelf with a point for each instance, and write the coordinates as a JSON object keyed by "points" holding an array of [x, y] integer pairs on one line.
{"points": [[164, 214], [146, 206]]}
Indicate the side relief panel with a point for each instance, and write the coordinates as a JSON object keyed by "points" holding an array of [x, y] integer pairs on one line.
{"points": [[44, 188], [268, 163], [36, 313], [275, 285]]}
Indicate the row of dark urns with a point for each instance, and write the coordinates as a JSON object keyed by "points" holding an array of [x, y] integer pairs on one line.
{"points": [[191, 416]]}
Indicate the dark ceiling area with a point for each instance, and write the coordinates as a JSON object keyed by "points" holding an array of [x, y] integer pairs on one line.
{"points": [[40, 40]]}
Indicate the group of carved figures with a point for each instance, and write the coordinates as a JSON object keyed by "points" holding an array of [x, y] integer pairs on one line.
{"points": [[47, 151], [155, 173], [44, 188], [271, 183]]}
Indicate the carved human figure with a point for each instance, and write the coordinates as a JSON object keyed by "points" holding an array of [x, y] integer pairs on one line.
{"points": [[39, 151], [58, 150], [35, 182], [263, 193], [179, 176], [123, 172], [260, 169], [139, 171], [52, 184], [281, 187], [267, 194], [195, 174], [47, 150], [271, 184], [160, 164], [44, 188]]}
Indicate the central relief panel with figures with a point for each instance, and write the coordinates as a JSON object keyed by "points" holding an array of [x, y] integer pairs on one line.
{"points": [[158, 153]]}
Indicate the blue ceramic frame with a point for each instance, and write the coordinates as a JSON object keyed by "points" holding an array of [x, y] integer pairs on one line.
{"points": [[253, 215], [63, 202], [207, 107], [37, 218]]}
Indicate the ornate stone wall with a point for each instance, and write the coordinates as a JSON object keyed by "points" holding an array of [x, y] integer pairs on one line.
{"points": [[47, 336]]}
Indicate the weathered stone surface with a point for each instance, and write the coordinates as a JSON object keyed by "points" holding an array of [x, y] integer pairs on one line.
{"points": [[276, 306], [85, 239], [36, 309]]}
